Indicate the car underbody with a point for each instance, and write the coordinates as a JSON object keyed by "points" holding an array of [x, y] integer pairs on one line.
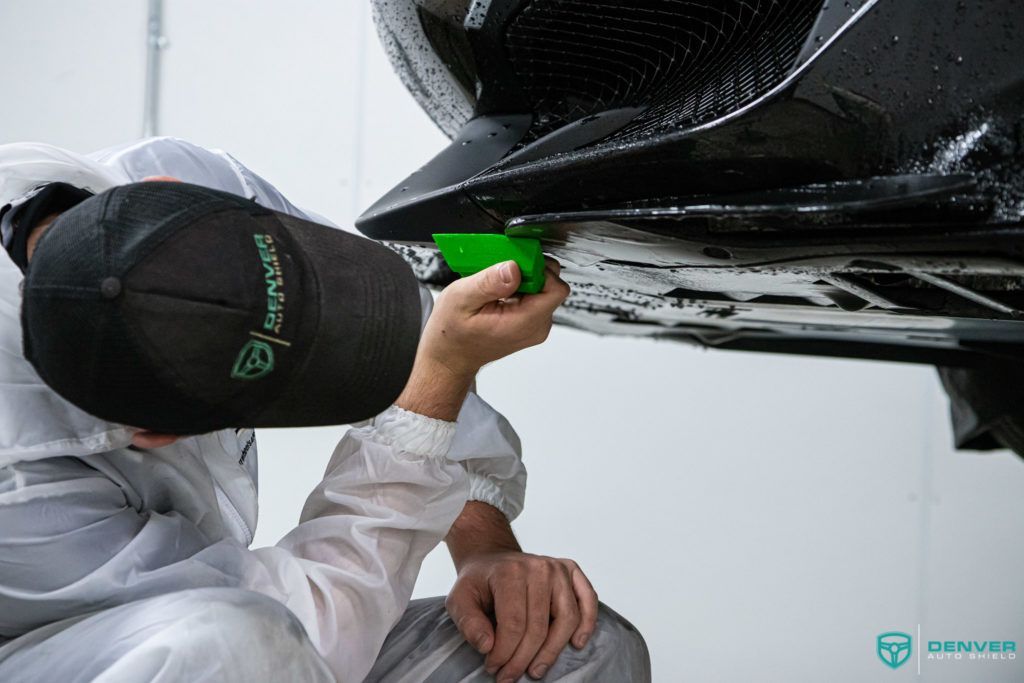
{"points": [[796, 176]]}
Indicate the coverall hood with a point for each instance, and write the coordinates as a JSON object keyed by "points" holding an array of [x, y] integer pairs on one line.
{"points": [[27, 166], [35, 422]]}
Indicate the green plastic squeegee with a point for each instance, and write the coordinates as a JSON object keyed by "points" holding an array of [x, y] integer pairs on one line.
{"points": [[468, 253]]}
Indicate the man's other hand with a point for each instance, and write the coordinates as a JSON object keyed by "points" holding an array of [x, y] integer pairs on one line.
{"points": [[521, 610]]}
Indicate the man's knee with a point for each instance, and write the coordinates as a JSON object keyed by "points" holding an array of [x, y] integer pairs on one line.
{"points": [[615, 652], [426, 639], [618, 633]]}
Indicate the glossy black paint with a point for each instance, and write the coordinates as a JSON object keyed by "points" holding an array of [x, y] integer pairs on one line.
{"points": [[867, 199]]}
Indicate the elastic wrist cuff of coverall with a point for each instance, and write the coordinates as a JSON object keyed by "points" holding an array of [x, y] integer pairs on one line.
{"points": [[413, 433], [484, 490]]}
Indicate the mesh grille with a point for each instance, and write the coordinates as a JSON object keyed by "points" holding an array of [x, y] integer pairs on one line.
{"points": [[688, 61]]}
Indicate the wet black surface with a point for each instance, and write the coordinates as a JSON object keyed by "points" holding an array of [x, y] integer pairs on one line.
{"points": [[850, 182]]}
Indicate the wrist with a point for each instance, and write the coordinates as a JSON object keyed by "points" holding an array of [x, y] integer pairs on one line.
{"points": [[454, 362], [436, 389], [480, 530]]}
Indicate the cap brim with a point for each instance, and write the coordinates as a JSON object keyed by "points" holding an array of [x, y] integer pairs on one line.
{"points": [[369, 311]]}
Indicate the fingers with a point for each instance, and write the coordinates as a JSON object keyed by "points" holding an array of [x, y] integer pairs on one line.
{"points": [[489, 285], [542, 305], [565, 619], [555, 289], [540, 604], [551, 266], [468, 613], [510, 614], [538, 619], [501, 281], [586, 600]]}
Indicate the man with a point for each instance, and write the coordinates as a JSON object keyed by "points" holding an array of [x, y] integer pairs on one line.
{"points": [[124, 551]]}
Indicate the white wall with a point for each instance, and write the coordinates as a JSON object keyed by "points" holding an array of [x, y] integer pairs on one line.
{"points": [[758, 517]]}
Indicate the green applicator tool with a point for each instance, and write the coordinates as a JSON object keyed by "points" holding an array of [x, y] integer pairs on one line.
{"points": [[468, 253]]}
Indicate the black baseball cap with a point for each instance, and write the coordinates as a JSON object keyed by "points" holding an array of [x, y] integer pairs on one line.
{"points": [[182, 309]]}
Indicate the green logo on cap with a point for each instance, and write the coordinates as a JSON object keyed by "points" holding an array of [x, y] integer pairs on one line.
{"points": [[255, 360]]}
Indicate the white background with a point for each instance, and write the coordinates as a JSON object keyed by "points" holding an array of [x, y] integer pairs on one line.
{"points": [[758, 517]]}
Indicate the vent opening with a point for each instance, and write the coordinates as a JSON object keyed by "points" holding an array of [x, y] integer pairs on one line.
{"points": [[686, 61]]}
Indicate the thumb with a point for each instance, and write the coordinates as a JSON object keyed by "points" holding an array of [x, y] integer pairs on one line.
{"points": [[471, 620], [497, 282]]}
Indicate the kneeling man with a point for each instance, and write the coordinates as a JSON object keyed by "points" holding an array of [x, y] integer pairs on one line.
{"points": [[158, 323]]}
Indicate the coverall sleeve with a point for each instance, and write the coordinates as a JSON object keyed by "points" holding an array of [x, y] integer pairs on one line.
{"points": [[488, 447], [348, 569], [73, 542]]}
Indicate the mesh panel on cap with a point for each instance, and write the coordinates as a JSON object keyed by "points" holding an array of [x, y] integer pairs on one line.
{"points": [[70, 251], [139, 217]]}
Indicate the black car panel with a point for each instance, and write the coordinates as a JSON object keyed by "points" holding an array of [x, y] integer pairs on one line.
{"points": [[801, 176]]}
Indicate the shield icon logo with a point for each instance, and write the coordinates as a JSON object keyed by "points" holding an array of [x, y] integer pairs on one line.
{"points": [[894, 648], [255, 360]]}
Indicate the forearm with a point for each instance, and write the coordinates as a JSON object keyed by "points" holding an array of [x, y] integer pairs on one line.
{"points": [[479, 529], [435, 390]]}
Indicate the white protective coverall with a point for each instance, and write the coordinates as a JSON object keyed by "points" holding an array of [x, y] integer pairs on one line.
{"points": [[118, 564]]}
